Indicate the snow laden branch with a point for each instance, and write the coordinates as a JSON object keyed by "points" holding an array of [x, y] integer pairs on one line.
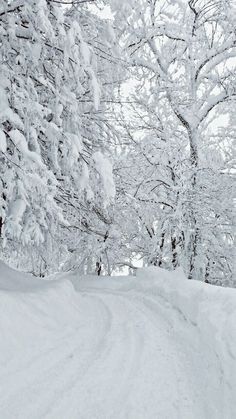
{"points": [[183, 54], [56, 78]]}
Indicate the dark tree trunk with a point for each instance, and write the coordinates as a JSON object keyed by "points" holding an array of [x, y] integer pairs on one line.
{"points": [[194, 251], [207, 271], [99, 267], [174, 252], [161, 248], [1, 225]]}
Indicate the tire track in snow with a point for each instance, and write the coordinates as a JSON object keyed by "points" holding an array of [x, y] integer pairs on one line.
{"points": [[151, 311], [117, 361], [58, 371], [127, 362], [77, 379]]}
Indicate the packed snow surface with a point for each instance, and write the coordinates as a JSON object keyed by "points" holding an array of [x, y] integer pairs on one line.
{"points": [[155, 346]]}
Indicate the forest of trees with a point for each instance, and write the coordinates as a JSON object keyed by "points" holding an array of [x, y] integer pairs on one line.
{"points": [[117, 136]]}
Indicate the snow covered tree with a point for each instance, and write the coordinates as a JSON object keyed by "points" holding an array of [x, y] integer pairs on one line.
{"points": [[71, 105], [182, 57], [55, 79]]}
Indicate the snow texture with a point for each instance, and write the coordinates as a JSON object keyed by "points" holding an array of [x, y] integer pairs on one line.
{"points": [[20, 142], [104, 168], [145, 347], [3, 142]]}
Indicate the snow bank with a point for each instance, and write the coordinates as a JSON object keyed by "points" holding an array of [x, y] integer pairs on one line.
{"points": [[51, 331], [211, 311], [32, 314]]}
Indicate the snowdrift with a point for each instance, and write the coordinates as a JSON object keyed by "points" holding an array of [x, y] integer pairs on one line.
{"points": [[46, 324], [211, 312], [32, 311]]}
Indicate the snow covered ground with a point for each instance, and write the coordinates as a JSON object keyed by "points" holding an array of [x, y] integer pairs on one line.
{"points": [[155, 346]]}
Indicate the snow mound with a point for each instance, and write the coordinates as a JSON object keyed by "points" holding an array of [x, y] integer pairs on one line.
{"points": [[121, 347], [32, 314], [16, 281], [208, 309]]}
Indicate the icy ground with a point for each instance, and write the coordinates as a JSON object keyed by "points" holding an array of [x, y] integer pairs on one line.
{"points": [[152, 347]]}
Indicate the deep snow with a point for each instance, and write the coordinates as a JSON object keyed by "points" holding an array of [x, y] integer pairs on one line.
{"points": [[155, 346]]}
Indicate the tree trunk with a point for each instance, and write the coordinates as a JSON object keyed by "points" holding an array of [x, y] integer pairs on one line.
{"points": [[99, 267], [195, 235], [161, 248], [174, 252]]}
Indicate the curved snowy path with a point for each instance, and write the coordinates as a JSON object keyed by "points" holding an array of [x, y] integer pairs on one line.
{"points": [[124, 355]]}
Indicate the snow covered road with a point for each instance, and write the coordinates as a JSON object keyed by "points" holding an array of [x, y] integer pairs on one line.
{"points": [[111, 349]]}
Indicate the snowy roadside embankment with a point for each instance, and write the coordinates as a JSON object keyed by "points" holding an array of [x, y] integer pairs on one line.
{"points": [[211, 311], [145, 347], [31, 313]]}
